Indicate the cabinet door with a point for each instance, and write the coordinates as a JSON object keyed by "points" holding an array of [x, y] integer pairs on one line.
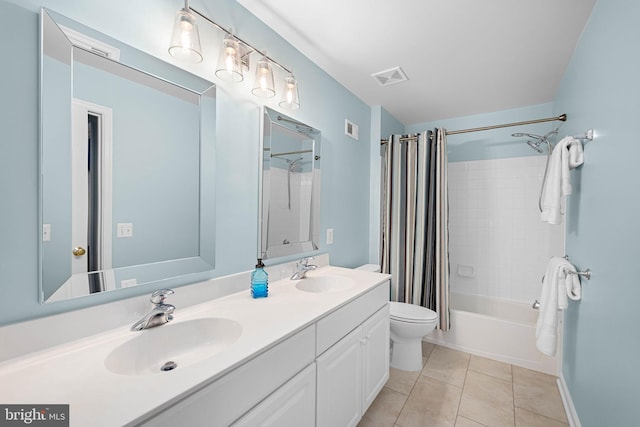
{"points": [[375, 355], [339, 390], [292, 405]]}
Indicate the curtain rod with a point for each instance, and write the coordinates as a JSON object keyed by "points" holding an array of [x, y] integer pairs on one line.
{"points": [[292, 152], [562, 118]]}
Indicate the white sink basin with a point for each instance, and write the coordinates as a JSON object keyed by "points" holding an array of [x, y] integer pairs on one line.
{"points": [[320, 284], [183, 343]]}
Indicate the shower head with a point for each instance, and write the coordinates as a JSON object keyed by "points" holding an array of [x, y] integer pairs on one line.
{"points": [[528, 135], [293, 163], [535, 146]]}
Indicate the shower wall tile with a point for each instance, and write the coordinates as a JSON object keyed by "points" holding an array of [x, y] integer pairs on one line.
{"points": [[498, 245]]}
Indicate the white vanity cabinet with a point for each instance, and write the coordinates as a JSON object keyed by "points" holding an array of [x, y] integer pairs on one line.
{"points": [[327, 374], [226, 399], [352, 372]]}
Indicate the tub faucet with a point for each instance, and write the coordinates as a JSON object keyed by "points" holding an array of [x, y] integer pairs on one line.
{"points": [[302, 267], [160, 314]]}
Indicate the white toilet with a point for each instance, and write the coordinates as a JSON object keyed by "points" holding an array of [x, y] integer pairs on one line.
{"points": [[409, 323]]}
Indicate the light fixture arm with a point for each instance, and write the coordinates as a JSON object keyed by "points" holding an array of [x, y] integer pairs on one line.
{"points": [[273, 61]]}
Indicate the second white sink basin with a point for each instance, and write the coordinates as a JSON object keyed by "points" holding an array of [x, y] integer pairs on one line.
{"points": [[319, 284], [182, 344]]}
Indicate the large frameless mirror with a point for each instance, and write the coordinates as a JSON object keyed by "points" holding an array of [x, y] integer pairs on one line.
{"points": [[289, 219], [127, 177]]}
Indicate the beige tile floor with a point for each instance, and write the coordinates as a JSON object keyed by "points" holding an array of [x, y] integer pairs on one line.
{"points": [[463, 390]]}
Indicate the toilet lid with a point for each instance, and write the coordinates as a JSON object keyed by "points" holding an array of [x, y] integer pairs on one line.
{"points": [[411, 312]]}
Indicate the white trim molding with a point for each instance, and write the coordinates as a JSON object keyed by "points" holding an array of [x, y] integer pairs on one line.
{"points": [[569, 409]]}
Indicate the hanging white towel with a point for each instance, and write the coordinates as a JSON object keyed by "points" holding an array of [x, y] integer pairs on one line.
{"points": [[557, 285], [566, 155]]}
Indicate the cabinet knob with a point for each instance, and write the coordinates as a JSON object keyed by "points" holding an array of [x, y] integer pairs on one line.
{"points": [[78, 251]]}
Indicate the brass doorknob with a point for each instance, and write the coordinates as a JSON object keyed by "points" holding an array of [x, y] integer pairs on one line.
{"points": [[79, 251]]}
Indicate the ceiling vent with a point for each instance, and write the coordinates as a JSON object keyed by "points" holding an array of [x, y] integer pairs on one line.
{"points": [[390, 76]]}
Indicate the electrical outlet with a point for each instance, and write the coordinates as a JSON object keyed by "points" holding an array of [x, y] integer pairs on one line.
{"points": [[329, 236]]}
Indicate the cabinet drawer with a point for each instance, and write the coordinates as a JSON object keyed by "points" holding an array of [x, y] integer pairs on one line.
{"points": [[292, 405], [228, 398], [336, 325]]}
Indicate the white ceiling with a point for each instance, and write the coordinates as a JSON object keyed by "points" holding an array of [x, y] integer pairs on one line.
{"points": [[462, 57]]}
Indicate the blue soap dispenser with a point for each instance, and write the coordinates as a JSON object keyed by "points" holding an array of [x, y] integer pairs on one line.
{"points": [[259, 281]]}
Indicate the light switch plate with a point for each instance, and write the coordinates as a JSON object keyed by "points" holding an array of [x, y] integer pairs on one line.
{"points": [[46, 232], [329, 236], [128, 282], [125, 229]]}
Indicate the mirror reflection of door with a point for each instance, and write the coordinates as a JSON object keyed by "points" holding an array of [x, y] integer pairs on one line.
{"points": [[91, 196]]}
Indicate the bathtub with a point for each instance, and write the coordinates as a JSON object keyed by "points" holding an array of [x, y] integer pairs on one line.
{"points": [[497, 329]]}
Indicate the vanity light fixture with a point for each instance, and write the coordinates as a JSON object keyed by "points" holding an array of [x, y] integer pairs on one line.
{"points": [[232, 58], [290, 99], [263, 84], [185, 39], [229, 64]]}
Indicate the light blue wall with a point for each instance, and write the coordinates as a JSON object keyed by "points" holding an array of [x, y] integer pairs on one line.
{"points": [[325, 105], [600, 90], [492, 144]]}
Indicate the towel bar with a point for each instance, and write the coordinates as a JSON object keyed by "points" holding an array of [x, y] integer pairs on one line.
{"points": [[588, 135], [586, 273]]}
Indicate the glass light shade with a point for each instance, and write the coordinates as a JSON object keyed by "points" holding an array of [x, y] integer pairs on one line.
{"points": [[229, 67], [290, 99], [185, 40], [263, 86]]}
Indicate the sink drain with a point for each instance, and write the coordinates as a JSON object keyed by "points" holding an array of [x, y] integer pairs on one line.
{"points": [[169, 366]]}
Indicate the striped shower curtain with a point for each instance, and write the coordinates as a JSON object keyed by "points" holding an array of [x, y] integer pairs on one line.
{"points": [[415, 211]]}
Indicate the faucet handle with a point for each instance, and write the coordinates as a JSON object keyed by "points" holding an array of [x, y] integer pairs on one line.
{"points": [[160, 295], [305, 260]]}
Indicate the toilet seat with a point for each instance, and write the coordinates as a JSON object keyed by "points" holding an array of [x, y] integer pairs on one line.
{"points": [[411, 313]]}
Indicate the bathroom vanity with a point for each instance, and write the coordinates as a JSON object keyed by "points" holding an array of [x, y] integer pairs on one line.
{"points": [[315, 352]]}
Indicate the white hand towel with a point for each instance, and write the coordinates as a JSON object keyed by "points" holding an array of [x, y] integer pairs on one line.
{"points": [[547, 325], [566, 155], [572, 283], [557, 285]]}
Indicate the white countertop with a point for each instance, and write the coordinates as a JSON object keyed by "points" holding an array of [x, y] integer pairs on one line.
{"points": [[76, 374]]}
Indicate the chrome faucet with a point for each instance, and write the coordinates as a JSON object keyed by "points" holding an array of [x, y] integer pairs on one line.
{"points": [[302, 267], [160, 314]]}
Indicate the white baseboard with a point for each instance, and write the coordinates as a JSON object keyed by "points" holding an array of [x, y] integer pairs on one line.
{"points": [[569, 409]]}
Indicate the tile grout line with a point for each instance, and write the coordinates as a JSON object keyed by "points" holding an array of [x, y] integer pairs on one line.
{"points": [[412, 388], [464, 383], [513, 394]]}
